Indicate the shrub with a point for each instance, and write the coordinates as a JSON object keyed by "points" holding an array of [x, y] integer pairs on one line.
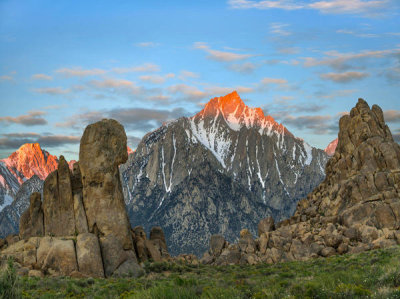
{"points": [[9, 284]]}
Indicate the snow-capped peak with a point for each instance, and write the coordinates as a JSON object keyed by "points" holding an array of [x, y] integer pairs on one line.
{"points": [[31, 159], [237, 115], [330, 149]]}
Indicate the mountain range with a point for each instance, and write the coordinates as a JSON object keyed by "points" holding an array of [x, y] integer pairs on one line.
{"points": [[225, 168]]}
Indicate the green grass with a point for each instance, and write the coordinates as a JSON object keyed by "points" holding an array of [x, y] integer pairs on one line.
{"points": [[373, 274]]}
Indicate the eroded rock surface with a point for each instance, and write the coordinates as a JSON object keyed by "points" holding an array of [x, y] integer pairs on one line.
{"points": [[59, 219], [31, 222], [102, 150], [82, 229]]}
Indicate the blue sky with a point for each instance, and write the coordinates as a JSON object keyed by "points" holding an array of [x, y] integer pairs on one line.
{"points": [[64, 64]]}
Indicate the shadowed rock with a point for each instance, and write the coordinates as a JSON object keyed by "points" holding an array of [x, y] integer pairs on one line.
{"points": [[59, 219], [31, 222]]}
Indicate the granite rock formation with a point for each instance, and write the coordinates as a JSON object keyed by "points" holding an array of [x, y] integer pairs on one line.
{"points": [[81, 229], [356, 207], [31, 221], [227, 167]]}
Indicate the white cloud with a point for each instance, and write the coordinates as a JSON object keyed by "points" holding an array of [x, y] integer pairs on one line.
{"points": [[52, 90], [79, 72], [147, 44], [367, 8], [33, 118], [222, 56], [281, 4], [343, 61], [344, 77], [42, 77], [279, 29], [156, 79], [184, 75], [357, 34], [112, 83], [144, 68], [245, 68], [268, 81], [6, 78]]}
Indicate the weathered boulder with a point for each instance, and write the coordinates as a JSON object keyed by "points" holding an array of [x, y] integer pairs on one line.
{"points": [[129, 268], [217, 243], [60, 258], [266, 225], [113, 254], [157, 234], [102, 150], [31, 221], [89, 255]]}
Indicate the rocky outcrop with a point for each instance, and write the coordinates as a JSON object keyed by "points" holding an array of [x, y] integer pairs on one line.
{"points": [[154, 249], [102, 150], [31, 222], [226, 167], [58, 208], [356, 207], [83, 216]]}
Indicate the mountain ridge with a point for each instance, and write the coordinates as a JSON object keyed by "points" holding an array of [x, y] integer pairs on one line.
{"points": [[258, 166]]}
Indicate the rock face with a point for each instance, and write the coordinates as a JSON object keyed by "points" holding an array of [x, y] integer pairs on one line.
{"points": [[154, 248], [83, 216], [58, 205], [225, 167], [102, 150], [31, 222], [356, 207]]}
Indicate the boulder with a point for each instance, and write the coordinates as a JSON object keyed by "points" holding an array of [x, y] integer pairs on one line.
{"points": [[153, 251], [61, 258], [129, 268], [114, 254], [35, 273], [89, 255], [217, 243], [156, 233], [11, 239], [266, 225]]}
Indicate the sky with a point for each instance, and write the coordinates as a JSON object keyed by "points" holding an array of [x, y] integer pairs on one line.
{"points": [[65, 64]]}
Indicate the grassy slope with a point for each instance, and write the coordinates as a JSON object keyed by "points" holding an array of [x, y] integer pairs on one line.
{"points": [[371, 274]]}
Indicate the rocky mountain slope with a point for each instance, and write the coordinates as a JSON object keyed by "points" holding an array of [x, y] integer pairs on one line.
{"points": [[10, 215], [29, 160], [356, 207], [330, 149], [225, 168]]}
